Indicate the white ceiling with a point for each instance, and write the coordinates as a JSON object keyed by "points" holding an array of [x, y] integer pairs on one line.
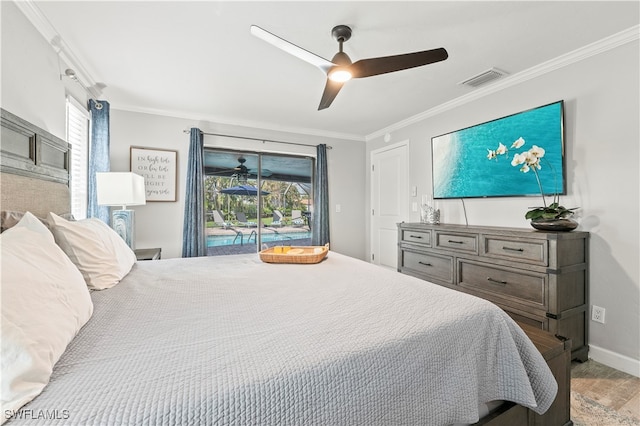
{"points": [[198, 60]]}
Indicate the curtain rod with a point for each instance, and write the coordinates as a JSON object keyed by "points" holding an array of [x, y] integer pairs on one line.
{"points": [[255, 139]]}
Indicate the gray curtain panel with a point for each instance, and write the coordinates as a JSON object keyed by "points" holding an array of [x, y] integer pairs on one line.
{"points": [[99, 156], [193, 235], [320, 221]]}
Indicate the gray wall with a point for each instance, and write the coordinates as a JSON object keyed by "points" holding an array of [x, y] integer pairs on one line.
{"points": [[601, 95], [160, 224], [31, 84]]}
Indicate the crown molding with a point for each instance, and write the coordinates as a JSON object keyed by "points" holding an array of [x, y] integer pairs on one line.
{"points": [[46, 29], [31, 11], [596, 48], [225, 121]]}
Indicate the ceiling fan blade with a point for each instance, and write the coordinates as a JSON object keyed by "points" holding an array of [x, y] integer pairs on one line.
{"points": [[386, 64], [291, 48], [331, 90]]}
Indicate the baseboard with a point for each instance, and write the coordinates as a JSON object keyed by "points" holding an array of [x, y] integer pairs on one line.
{"points": [[615, 360]]}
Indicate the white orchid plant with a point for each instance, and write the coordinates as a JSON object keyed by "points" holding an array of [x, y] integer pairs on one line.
{"points": [[527, 161]]}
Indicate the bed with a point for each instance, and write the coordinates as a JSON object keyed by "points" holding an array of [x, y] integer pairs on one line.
{"points": [[235, 341]]}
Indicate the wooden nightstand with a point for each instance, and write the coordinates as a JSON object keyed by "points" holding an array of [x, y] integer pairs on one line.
{"points": [[148, 254]]}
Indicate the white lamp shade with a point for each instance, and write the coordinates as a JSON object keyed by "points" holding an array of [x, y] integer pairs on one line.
{"points": [[120, 189]]}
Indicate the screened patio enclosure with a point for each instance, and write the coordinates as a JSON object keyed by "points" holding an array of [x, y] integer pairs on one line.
{"points": [[255, 200]]}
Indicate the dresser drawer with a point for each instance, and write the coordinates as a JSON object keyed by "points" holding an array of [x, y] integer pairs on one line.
{"points": [[518, 286], [421, 237], [458, 242], [435, 266], [535, 252], [540, 278]]}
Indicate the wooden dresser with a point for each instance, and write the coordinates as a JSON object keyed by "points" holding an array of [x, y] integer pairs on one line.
{"points": [[538, 278]]}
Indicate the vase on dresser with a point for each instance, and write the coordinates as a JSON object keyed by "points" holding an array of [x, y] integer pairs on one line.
{"points": [[557, 225]]}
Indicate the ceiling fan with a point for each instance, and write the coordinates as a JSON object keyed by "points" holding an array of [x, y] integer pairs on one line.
{"points": [[340, 68], [242, 172]]}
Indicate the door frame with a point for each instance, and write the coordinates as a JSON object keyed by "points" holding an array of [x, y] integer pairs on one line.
{"points": [[405, 143]]}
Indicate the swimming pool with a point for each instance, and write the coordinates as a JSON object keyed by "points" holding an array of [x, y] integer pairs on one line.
{"points": [[267, 237]]}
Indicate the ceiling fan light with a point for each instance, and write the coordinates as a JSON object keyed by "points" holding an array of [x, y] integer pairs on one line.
{"points": [[339, 75]]}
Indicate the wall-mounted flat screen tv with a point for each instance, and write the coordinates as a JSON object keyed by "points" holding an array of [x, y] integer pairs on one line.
{"points": [[478, 161]]}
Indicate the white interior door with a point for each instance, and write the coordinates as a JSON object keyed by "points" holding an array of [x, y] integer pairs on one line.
{"points": [[389, 201]]}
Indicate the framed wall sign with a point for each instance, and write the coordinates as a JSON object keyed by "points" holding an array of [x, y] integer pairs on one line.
{"points": [[159, 169]]}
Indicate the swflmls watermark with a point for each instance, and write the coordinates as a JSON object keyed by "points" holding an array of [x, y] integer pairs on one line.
{"points": [[27, 414]]}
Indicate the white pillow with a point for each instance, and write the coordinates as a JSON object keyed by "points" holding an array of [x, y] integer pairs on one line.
{"points": [[45, 302], [98, 252], [10, 218]]}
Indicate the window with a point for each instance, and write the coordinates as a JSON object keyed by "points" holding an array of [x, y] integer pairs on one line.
{"points": [[232, 209], [78, 120]]}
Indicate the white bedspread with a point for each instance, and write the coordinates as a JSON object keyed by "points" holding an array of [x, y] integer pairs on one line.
{"points": [[234, 341]]}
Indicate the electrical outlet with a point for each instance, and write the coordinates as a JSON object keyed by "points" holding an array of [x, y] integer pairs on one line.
{"points": [[597, 314]]}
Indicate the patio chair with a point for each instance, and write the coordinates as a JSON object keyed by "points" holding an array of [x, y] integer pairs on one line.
{"points": [[296, 218], [218, 219], [278, 219], [242, 221]]}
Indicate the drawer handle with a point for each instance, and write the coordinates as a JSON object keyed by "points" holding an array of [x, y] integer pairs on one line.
{"points": [[512, 249], [455, 242], [415, 236], [496, 281], [425, 263]]}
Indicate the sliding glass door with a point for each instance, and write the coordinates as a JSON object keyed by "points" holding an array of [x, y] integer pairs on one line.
{"points": [[255, 200]]}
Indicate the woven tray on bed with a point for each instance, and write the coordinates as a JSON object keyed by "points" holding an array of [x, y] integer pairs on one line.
{"points": [[294, 254]]}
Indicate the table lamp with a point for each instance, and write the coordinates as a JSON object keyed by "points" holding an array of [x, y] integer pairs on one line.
{"points": [[121, 189]]}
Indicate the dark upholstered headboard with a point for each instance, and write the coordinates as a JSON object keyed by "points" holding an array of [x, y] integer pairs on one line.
{"points": [[34, 168]]}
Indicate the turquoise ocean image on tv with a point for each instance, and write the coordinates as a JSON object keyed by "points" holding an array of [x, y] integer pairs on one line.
{"points": [[461, 168]]}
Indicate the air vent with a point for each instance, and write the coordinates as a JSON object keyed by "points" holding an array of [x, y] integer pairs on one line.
{"points": [[484, 77]]}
